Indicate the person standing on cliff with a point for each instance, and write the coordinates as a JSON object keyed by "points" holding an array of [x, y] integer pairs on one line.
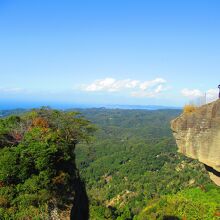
{"points": [[219, 91]]}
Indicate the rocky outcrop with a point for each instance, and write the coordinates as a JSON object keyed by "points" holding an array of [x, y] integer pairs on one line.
{"points": [[197, 135]]}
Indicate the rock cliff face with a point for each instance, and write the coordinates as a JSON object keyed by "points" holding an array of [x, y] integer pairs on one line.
{"points": [[198, 136]]}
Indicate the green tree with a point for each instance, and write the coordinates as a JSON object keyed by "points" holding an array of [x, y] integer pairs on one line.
{"points": [[37, 161]]}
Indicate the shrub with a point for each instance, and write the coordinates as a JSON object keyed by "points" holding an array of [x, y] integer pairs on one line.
{"points": [[189, 108]]}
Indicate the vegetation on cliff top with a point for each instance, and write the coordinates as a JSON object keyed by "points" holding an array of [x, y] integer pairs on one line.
{"points": [[37, 161]]}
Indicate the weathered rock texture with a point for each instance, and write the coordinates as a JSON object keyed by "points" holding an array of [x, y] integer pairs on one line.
{"points": [[198, 136]]}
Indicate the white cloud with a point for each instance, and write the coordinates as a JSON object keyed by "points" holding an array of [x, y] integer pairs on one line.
{"points": [[211, 94], [136, 88], [111, 85], [160, 88], [193, 93], [147, 84], [150, 93], [11, 90]]}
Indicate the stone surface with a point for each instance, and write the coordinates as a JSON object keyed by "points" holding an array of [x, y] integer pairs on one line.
{"points": [[198, 136]]}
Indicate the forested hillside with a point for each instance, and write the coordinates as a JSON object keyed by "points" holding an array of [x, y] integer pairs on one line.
{"points": [[133, 170]]}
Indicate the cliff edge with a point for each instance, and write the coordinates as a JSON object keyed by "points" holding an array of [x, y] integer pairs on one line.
{"points": [[197, 136]]}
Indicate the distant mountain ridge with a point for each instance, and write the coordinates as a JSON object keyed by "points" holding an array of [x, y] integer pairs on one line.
{"points": [[147, 107], [65, 106]]}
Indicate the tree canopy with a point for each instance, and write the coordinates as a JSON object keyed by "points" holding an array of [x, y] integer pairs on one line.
{"points": [[37, 160]]}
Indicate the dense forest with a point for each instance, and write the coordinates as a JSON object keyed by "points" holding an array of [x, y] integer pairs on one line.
{"points": [[133, 171], [130, 166]]}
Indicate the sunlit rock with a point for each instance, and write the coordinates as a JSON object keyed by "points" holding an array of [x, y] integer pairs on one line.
{"points": [[197, 135]]}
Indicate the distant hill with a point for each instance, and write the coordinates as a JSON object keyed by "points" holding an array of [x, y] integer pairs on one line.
{"points": [[4, 113], [64, 106], [147, 107]]}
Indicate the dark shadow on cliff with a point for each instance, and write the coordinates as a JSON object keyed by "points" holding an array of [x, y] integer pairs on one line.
{"points": [[170, 218], [211, 170], [80, 209], [76, 193]]}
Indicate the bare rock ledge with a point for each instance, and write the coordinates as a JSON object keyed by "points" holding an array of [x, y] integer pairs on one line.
{"points": [[197, 136]]}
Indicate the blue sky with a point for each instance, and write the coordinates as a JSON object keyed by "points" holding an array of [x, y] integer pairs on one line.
{"points": [[109, 51]]}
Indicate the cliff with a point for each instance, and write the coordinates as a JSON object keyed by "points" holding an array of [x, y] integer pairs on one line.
{"points": [[197, 135]]}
